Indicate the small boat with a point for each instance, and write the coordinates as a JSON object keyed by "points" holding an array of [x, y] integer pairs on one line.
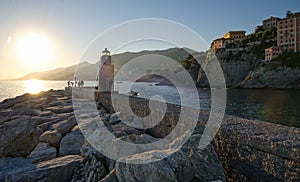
{"points": [[133, 93]]}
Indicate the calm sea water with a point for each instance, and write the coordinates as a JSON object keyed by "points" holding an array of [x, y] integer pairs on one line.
{"points": [[276, 106]]}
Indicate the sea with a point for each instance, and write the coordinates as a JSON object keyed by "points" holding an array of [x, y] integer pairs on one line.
{"points": [[275, 106]]}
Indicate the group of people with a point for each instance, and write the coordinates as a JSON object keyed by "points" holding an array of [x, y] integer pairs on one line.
{"points": [[78, 83]]}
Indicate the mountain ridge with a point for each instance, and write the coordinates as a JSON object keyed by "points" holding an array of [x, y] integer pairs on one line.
{"points": [[87, 71]]}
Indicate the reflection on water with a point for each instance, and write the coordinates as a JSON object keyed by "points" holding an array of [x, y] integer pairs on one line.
{"points": [[33, 86], [275, 106]]}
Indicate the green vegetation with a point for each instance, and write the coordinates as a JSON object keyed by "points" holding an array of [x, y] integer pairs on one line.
{"points": [[289, 59], [261, 40], [188, 61]]}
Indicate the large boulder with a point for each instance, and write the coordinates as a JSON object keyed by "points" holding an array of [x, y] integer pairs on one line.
{"points": [[90, 170], [60, 109], [206, 162], [64, 126], [71, 143], [18, 137], [172, 166], [42, 152], [51, 137], [58, 169], [10, 165], [114, 118]]}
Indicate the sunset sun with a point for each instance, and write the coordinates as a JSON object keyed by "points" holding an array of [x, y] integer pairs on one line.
{"points": [[34, 49]]}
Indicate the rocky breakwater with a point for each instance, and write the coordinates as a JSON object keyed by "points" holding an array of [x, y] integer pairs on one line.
{"points": [[249, 150], [42, 141]]}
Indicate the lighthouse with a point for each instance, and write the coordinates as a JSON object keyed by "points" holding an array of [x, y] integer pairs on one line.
{"points": [[106, 72]]}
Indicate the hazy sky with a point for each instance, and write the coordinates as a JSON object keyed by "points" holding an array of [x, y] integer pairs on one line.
{"points": [[64, 29]]}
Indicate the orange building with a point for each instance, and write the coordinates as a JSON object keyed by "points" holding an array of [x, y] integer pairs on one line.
{"points": [[288, 33], [272, 52], [236, 36], [220, 43]]}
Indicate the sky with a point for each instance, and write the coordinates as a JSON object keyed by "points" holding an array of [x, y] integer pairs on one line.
{"points": [[60, 31]]}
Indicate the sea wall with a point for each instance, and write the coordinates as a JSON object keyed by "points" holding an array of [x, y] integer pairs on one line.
{"points": [[249, 150]]}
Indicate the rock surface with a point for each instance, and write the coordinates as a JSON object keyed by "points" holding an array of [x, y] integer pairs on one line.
{"points": [[42, 152], [247, 150], [64, 126], [58, 169], [281, 77], [18, 137], [90, 170], [51, 137], [71, 143], [176, 167]]}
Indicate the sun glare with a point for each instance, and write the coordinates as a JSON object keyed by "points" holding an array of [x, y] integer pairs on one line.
{"points": [[33, 86], [34, 49]]}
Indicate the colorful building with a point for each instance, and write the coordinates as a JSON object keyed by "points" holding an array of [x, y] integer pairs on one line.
{"points": [[221, 43], [272, 52], [236, 36], [270, 23], [288, 33]]}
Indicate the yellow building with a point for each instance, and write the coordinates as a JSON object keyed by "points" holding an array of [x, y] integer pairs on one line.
{"points": [[236, 36], [220, 43]]}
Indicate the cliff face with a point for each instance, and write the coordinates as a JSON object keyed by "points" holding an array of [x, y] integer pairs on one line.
{"points": [[243, 75], [280, 77], [234, 72]]}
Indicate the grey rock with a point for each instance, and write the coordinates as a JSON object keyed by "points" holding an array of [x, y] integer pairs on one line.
{"points": [[114, 118], [10, 165], [273, 76], [90, 170], [42, 152], [18, 137], [25, 110], [45, 125], [111, 177], [64, 126], [51, 137], [58, 169], [206, 162], [234, 73], [172, 166], [121, 129], [71, 143], [60, 109]]}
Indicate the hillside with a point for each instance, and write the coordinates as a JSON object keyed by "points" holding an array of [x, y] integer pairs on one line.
{"points": [[88, 71]]}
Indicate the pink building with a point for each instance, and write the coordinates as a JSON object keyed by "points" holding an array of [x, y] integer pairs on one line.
{"points": [[272, 52]]}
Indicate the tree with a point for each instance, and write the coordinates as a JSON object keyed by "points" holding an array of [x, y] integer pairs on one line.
{"points": [[288, 13]]}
